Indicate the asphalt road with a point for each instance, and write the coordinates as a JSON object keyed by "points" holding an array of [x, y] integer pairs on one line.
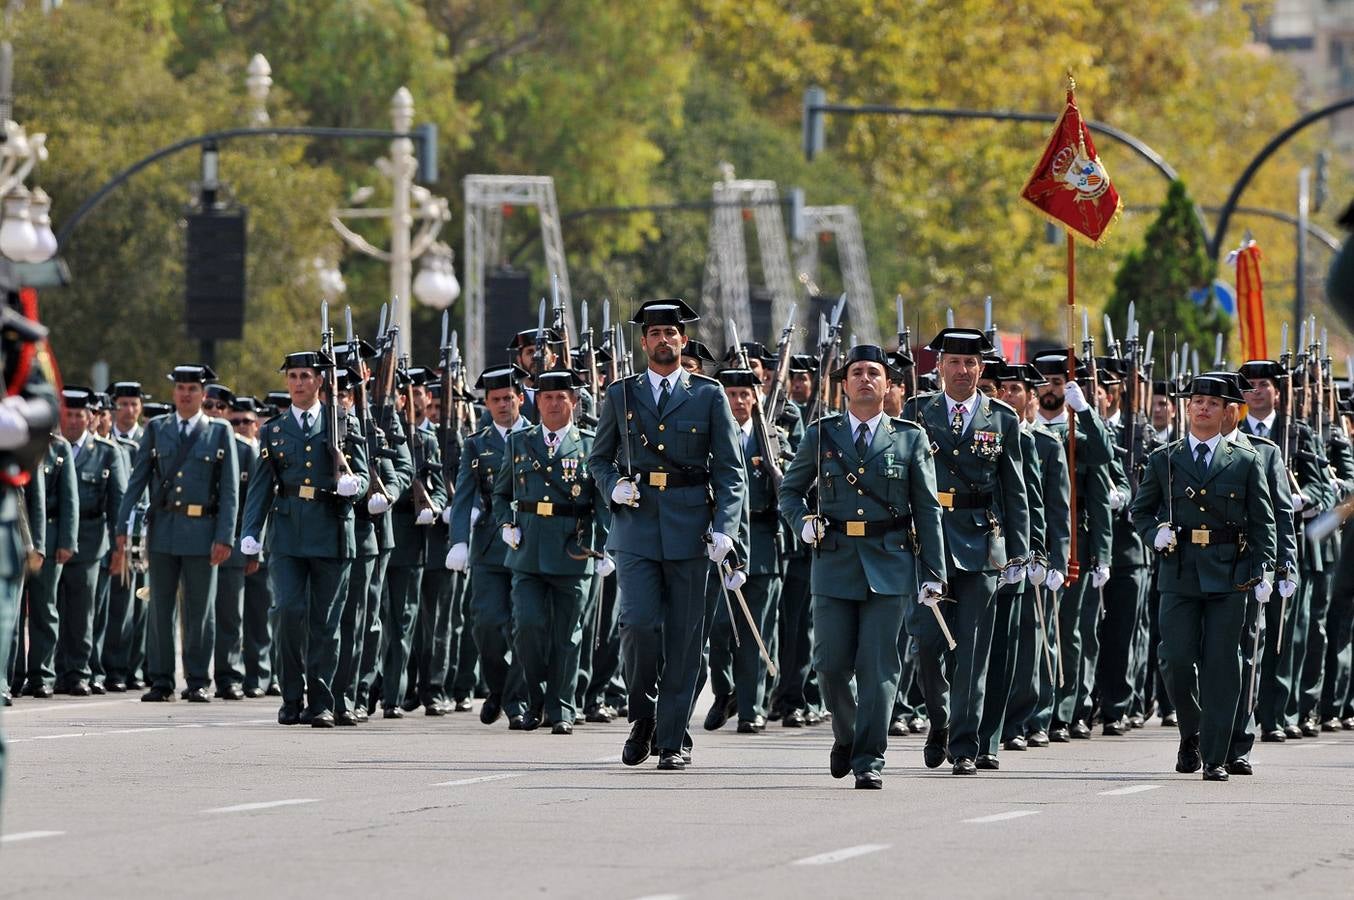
{"points": [[110, 797]]}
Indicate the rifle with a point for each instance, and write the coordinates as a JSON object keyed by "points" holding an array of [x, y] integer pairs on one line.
{"points": [[775, 398], [383, 388], [542, 344], [609, 344], [587, 350], [337, 425], [828, 351], [375, 436], [420, 490], [989, 327], [560, 323], [905, 351], [1286, 361], [763, 433]]}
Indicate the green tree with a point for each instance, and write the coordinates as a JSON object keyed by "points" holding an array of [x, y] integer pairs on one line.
{"points": [[1158, 277]]}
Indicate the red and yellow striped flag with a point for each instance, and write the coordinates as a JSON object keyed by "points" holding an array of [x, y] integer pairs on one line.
{"points": [[1250, 302]]}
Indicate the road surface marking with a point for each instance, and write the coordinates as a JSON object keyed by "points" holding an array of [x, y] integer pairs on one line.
{"points": [[482, 778], [1002, 817], [28, 836], [67, 706], [612, 759], [249, 807], [836, 856], [1131, 789]]}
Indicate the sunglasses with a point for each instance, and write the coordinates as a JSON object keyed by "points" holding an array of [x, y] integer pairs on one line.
{"points": [[238, 422], [214, 404]]}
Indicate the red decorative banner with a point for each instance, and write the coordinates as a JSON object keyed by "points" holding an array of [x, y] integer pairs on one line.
{"points": [[1070, 185], [1250, 301]]}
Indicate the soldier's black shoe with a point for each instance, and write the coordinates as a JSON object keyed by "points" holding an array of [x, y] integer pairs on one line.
{"points": [[305, 716], [637, 746], [1215, 773], [562, 728], [491, 710], [434, 708], [135, 684], [1136, 721], [1187, 758], [322, 719], [1116, 728], [197, 695], [1039, 739], [516, 723], [274, 690], [1292, 732], [347, 717], [464, 705], [917, 725], [392, 712], [1308, 727], [255, 692], [79, 689], [1169, 720], [724, 706], [812, 717], [987, 762], [935, 753], [671, 761], [531, 721], [289, 714], [897, 728], [97, 689], [1240, 766], [231, 692], [1331, 724], [157, 695], [361, 714], [597, 713], [6, 698], [116, 687], [1016, 743], [792, 719], [1273, 737], [410, 704], [869, 781], [1079, 730], [1347, 723], [1058, 735], [964, 766], [839, 761]]}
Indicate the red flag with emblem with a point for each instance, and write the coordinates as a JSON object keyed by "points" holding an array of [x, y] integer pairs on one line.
{"points": [[1070, 185]]}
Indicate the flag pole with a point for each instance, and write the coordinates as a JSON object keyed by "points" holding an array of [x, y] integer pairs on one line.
{"points": [[1073, 566]]}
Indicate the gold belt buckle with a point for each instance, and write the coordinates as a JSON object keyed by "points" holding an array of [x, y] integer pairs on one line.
{"points": [[194, 510], [659, 480], [545, 509], [855, 529], [1199, 536], [306, 492], [946, 499]]}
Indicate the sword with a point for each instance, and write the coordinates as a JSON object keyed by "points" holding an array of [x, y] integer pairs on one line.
{"points": [[1255, 662], [727, 569], [1058, 638], [1043, 631]]}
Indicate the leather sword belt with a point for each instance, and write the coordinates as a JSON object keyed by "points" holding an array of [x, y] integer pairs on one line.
{"points": [[556, 510], [305, 492], [857, 528], [192, 510], [956, 500], [764, 515], [1212, 537], [665, 480]]}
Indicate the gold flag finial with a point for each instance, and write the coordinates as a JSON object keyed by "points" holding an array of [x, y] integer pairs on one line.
{"points": [[1071, 82]]}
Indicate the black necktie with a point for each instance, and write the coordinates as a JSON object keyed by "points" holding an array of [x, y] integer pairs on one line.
{"points": [[1260, 429], [183, 429], [662, 395], [305, 422], [862, 439], [1201, 458]]}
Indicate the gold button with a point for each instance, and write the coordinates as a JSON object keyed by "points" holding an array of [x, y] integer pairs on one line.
{"points": [[1201, 509], [862, 470], [956, 452], [860, 512], [693, 431], [549, 469], [307, 448], [307, 464], [307, 481], [660, 446], [862, 493], [1202, 491], [180, 474], [662, 427], [179, 489]]}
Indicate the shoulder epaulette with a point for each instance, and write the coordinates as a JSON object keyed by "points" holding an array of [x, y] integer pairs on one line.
{"points": [[698, 375], [1256, 439], [1003, 405], [900, 422], [107, 442]]}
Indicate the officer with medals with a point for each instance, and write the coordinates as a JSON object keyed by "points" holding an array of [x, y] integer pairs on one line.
{"points": [[667, 455], [876, 530], [101, 474], [979, 471], [1204, 502], [477, 549], [303, 490], [551, 517]]}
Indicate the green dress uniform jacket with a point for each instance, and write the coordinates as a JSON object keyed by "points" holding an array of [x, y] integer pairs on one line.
{"points": [[480, 460], [101, 480]]}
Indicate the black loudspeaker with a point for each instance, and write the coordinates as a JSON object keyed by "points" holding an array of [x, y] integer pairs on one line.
{"points": [[507, 310], [215, 276], [759, 303]]}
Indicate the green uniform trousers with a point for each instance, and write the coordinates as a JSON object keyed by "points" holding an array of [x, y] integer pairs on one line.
{"points": [[75, 621], [491, 625], [1313, 662], [1243, 726], [117, 637], [258, 630], [1001, 663], [310, 593], [398, 616], [547, 613], [196, 576], [953, 681], [1201, 661], [373, 647], [352, 633], [228, 666], [794, 647], [42, 624], [1113, 672], [738, 668]]}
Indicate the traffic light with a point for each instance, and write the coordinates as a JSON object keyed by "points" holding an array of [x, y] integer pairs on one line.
{"points": [[814, 139]]}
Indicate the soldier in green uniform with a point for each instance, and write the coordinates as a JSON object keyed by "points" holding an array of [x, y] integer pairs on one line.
{"points": [[61, 522], [667, 456], [876, 530], [1205, 501], [476, 547], [125, 612], [979, 471], [187, 463], [101, 473], [552, 519], [257, 630], [302, 493]]}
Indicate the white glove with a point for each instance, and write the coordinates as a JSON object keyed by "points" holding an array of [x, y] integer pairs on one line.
{"points": [[1262, 592], [1165, 539], [458, 557], [347, 486], [1100, 575], [1118, 499], [720, 545], [250, 546], [511, 535], [377, 504], [625, 493], [735, 579], [605, 566], [475, 513], [930, 594], [1074, 398], [1287, 587], [446, 516], [426, 516], [812, 532], [13, 423], [1012, 574], [1036, 571], [1054, 580], [1299, 501]]}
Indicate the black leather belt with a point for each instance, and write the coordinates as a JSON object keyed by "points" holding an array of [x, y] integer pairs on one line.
{"points": [[556, 510], [1211, 537], [956, 500], [90, 515], [665, 480], [857, 528], [192, 510], [305, 492], [764, 515]]}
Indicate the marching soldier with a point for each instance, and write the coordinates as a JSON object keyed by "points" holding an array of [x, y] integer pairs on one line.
{"points": [[1205, 502], [476, 547], [62, 524], [101, 473], [187, 464], [126, 620], [257, 629], [979, 472], [876, 530], [667, 456], [552, 518], [302, 492]]}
